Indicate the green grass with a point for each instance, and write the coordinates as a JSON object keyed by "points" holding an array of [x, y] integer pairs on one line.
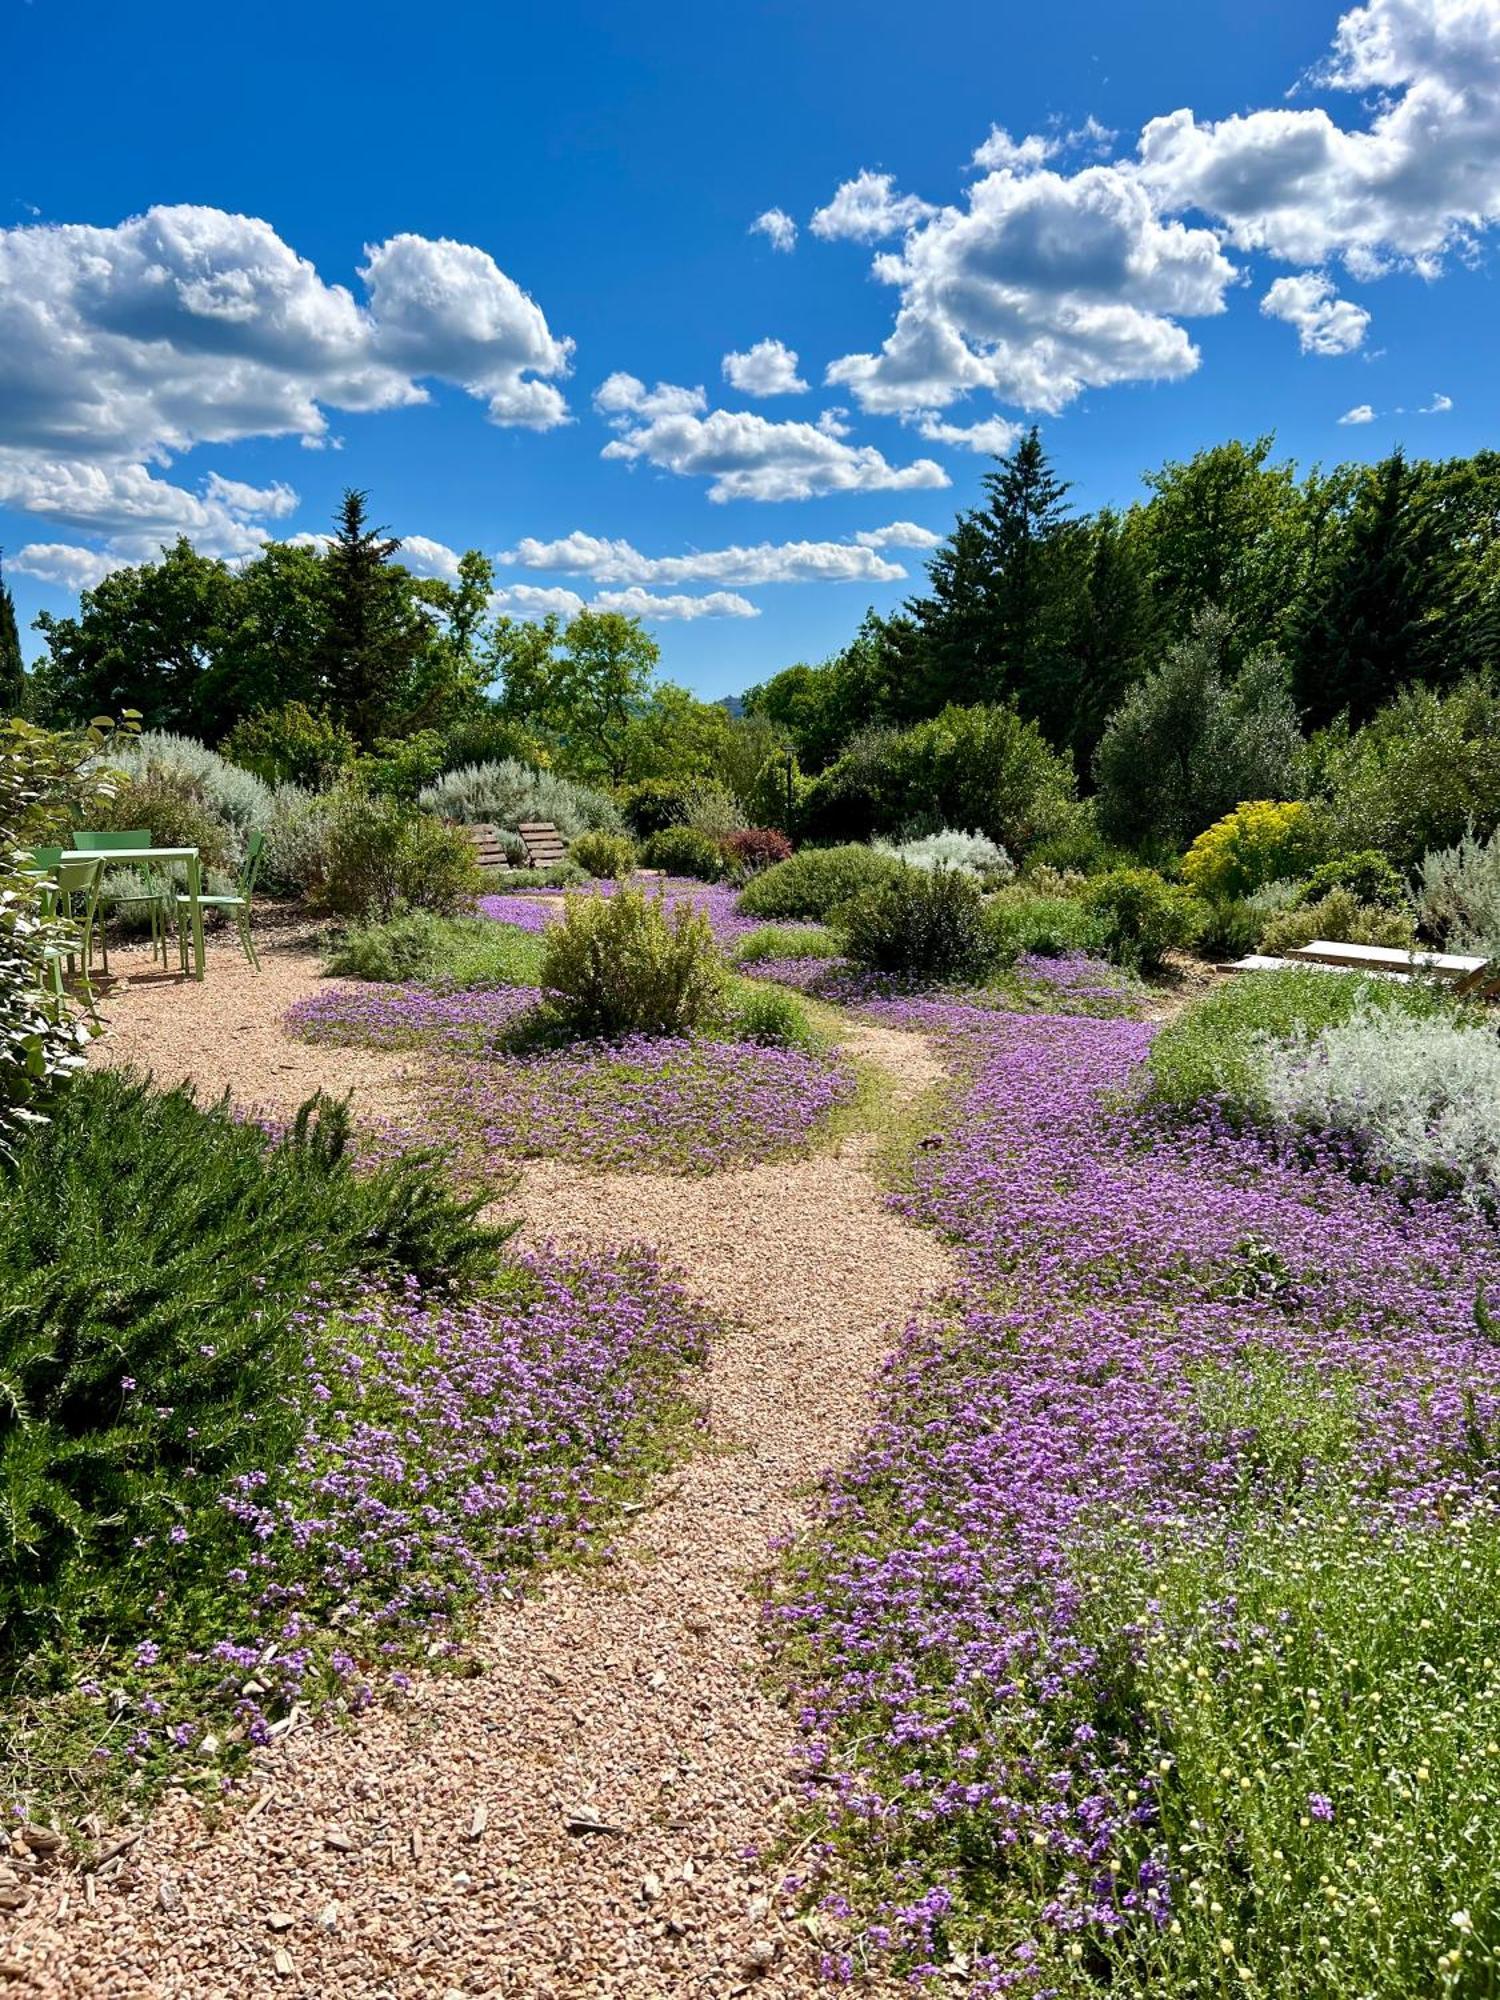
{"points": [[1277, 1671], [1210, 1050], [786, 941], [448, 951]]}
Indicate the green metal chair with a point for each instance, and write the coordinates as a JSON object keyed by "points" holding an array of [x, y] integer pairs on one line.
{"points": [[159, 888], [61, 889], [239, 902]]}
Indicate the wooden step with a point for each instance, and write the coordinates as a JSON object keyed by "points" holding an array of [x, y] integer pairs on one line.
{"points": [[1456, 966]]}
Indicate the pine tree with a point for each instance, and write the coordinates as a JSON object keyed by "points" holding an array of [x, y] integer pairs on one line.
{"points": [[374, 631], [12, 667], [1111, 635], [1026, 529], [954, 622], [1373, 630]]}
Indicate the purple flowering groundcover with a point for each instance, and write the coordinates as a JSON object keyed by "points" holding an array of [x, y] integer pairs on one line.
{"points": [[450, 1446], [1161, 1607]]}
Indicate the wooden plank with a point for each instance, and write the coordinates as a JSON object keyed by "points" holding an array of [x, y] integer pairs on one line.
{"points": [[544, 845], [1381, 958], [1257, 962]]}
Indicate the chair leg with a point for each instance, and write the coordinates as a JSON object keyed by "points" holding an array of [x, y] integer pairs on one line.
{"points": [[246, 940]]}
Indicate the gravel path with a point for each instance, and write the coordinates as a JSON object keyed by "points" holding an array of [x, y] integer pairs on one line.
{"points": [[630, 1693]]}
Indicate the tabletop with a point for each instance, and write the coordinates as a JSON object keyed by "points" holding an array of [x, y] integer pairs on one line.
{"points": [[113, 856]]}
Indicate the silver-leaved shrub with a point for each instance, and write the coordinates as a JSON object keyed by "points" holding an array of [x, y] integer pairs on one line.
{"points": [[1458, 894], [1423, 1096], [972, 853], [506, 792]]}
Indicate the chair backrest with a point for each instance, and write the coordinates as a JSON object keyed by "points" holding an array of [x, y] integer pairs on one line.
{"points": [[544, 845], [46, 857], [76, 878], [107, 843], [254, 847], [490, 850]]}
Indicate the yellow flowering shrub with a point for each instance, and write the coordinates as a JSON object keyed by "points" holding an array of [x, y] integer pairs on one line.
{"points": [[1262, 840]]}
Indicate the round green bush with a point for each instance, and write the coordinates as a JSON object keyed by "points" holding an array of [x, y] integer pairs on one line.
{"points": [[815, 881], [1369, 877], [679, 850], [653, 805], [1141, 917], [619, 965], [924, 924], [608, 857]]}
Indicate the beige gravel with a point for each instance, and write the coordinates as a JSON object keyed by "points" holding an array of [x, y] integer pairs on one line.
{"points": [[632, 1692]]}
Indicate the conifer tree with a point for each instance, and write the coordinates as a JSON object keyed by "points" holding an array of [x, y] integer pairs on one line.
{"points": [[1372, 630], [12, 667], [373, 632]]}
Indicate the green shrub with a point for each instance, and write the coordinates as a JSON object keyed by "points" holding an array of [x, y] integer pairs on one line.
{"points": [[155, 1258], [682, 850], [816, 881], [1141, 917], [447, 951], [295, 858], [1261, 841], [293, 744], [618, 965], [48, 781], [1420, 774], [401, 767], [608, 857], [785, 941], [772, 1016], [1022, 922], [1369, 877], [1230, 928], [1077, 848], [560, 875], [238, 798], [506, 792], [653, 805], [924, 924], [1212, 1050], [381, 857], [176, 812], [1340, 917], [1458, 894], [981, 767]]}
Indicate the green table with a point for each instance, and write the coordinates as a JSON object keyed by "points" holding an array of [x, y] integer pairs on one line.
{"points": [[125, 857]]}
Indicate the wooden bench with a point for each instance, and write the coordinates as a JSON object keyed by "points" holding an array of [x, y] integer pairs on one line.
{"points": [[545, 846], [1471, 978], [489, 845], [1456, 969]]}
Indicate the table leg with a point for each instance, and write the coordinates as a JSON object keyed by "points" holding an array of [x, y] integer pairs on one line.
{"points": [[195, 907]]}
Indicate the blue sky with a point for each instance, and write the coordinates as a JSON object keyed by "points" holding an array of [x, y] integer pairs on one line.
{"points": [[1193, 222]]}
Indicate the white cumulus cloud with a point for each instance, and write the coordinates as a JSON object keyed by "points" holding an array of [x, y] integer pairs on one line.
{"points": [[621, 397], [898, 535], [66, 564], [1325, 323], [1420, 179], [769, 368], [1042, 286], [618, 561], [124, 346], [867, 208], [1000, 150], [748, 457], [777, 227], [997, 435], [1362, 413], [531, 600]]}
